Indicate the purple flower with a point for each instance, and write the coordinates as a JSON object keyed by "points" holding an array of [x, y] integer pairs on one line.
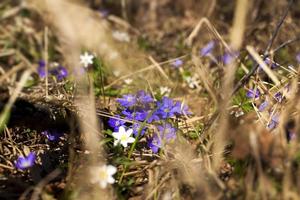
{"points": [[263, 106], [138, 115], [115, 123], [166, 108], [52, 135], [177, 63], [207, 49], [166, 133], [23, 163], [228, 58], [60, 72], [127, 100], [278, 96], [271, 63], [251, 94], [154, 144], [41, 69], [143, 98], [181, 109], [136, 128], [298, 57], [274, 121]]}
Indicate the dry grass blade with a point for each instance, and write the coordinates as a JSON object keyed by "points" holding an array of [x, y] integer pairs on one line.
{"points": [[263, 65]]}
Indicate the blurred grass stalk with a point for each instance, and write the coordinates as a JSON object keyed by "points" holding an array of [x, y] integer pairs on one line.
{"points": [[4, 116], [237, 35]]}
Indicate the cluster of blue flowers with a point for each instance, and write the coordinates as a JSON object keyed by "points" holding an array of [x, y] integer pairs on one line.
{"points": [[141, 107], [59, 72]]}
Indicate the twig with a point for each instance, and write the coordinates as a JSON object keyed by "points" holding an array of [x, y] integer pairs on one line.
{"points": [[267, 50]]}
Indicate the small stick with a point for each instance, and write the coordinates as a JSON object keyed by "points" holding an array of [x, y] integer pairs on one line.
{"points": [[266, 53], [46, 58]]}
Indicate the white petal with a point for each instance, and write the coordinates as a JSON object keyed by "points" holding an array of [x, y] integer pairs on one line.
{"points": [[116, 135], [111, 169], [103, 184], [130, 140], [124, 144], [110, 179], [122, 129], [116, 142], [129, 132]]}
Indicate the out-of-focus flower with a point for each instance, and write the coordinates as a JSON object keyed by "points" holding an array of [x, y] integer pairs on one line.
{"points": [[86, 59], [136, 128], [207, 49], [59, 72], [181, 109], [128, 81], [127, 100], [143, 98], [263, 106], [168, 131], [166, 134], [228, 58], [103, 175], [271, 63], [298, 57], [42, 69], [154, 143], [123, 137], [177, 63], [253, 94], [274, 121], [23, 163], [278, 96], [52, 135], [166, 108], [164, 90], [115, 123], [121, 36]]}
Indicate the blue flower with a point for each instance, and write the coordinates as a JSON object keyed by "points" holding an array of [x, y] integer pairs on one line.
{"points": [[52, 135], [136, 127], [60, 72], [263, 106], [278, 96], [177, 63], [115, 123], [154, 144], [298, 57], [138, 115], [207, 49], [271, 63], [166, 108], [166, 133], [228, 58], [41, 69], [274, 121], [251, 94], [23, 163], [181, 109], [127, 100], [143, 98]]}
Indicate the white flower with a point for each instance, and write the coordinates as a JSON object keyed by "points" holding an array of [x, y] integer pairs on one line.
{"points": [[86, 59], [103, 175], [165, 90], [121, 36], [123, 136], [128, 81]]}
